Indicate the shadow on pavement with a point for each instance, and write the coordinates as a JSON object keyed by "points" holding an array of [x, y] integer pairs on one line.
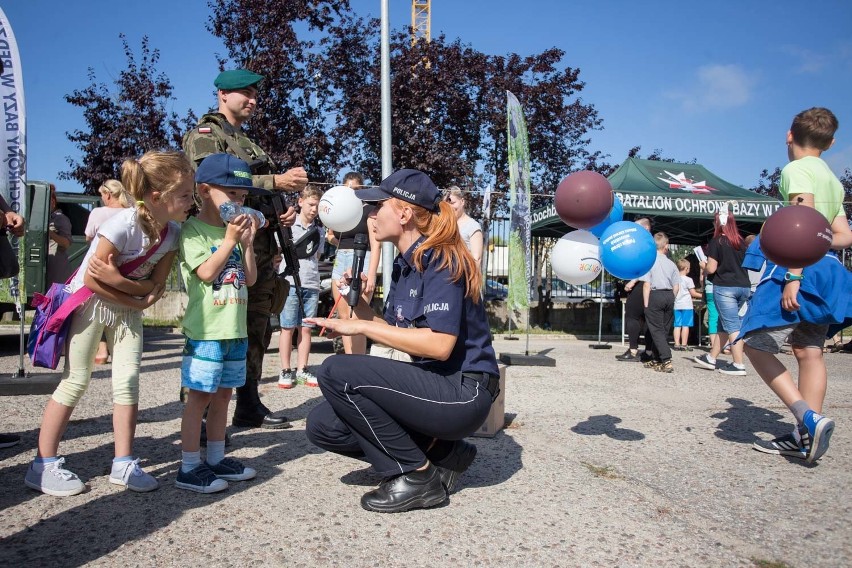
{"points": [[606, 425]]}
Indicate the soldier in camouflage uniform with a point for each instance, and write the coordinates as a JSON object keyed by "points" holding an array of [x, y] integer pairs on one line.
{"points": [[222, 132]]}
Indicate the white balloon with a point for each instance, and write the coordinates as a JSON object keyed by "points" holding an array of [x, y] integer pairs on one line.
{"points": [[340, 209], [576, 257]]}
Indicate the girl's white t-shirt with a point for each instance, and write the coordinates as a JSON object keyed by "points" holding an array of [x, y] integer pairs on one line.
{"points": [[125, 233]]}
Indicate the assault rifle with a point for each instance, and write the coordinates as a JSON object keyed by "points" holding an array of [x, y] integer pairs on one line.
{"points": [[288, 249], [284, 234]]}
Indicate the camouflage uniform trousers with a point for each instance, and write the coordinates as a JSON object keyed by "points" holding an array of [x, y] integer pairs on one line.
{"points": [[259, 334]]}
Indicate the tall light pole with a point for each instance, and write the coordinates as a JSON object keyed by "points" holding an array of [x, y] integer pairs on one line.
{"points": [[387, 151]]}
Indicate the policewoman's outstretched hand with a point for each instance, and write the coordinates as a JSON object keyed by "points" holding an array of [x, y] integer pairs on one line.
{"points": [[335, 327]]}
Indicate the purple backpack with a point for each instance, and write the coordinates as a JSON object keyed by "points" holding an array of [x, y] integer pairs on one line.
{"points": [[49, 330]]}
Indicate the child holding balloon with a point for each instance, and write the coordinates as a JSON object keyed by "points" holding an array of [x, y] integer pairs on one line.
{"points": [[806, 181]]}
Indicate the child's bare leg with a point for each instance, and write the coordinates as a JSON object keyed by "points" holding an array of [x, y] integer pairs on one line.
{"points": [[53, 425], [217, 414], [190, 425], [285, 346], [813, 376], [775, 375], [304, 347], [124, 428]]}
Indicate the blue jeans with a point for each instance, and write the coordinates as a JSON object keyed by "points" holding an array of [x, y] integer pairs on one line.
{"points": [[729, 300], [290, 316]]}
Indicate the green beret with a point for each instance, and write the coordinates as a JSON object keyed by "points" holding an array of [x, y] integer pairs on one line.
{"points": [[236, 79]]}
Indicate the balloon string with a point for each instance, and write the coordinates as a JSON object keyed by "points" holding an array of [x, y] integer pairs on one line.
{"points": [[331, 313]]}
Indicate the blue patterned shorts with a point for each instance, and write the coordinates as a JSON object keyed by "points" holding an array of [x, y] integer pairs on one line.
{"points": [[209, 365]]}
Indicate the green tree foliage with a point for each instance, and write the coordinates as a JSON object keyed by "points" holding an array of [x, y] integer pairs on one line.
{"points": [[279, 40], [125, 123], [449, 109]]}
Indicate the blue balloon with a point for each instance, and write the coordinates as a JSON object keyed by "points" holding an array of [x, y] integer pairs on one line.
{"points": [[627, 250], [616, 214]]}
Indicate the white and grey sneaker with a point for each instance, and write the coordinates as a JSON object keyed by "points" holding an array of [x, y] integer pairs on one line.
{"points": [[54, 480], [285, 379], [307, 378], [729, 368], [130, 475], [704, 361]]}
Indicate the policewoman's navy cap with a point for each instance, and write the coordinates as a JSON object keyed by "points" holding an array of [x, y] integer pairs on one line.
{"points": [[236, 79], [412, 186], [228, 171]]}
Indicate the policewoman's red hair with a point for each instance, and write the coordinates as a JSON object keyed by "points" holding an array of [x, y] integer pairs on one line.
{"points": [[442, 235]]}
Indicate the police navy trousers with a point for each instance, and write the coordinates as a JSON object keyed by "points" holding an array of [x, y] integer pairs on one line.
{"points": [[389, 412]]}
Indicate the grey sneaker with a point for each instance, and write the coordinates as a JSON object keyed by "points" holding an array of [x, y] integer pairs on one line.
{"points": [[232, 470], [54, 480], [201, 480], [130, 475], [285, 379], [306, 377], [704, 361], [730, 369]]}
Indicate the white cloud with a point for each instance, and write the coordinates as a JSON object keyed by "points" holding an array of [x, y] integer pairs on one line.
{"points": [[806, 61], [715, 87], [839, 159]]}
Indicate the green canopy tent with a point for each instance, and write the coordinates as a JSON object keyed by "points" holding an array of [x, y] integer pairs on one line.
{"points": [[681, 200]]}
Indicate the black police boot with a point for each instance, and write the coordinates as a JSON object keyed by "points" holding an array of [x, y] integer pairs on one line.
{"points": [[251, 413], [452, 465], [412, 490]]}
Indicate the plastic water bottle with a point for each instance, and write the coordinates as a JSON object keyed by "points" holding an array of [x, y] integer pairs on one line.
{"points": [[230, 210]]}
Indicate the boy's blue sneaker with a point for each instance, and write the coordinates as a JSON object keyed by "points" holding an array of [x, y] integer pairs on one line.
{"points": [[787, 445], [232, 470], [201, 480], [816, 434]]}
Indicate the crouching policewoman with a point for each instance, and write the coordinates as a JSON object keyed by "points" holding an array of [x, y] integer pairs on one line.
{"points": [[409, 419]]}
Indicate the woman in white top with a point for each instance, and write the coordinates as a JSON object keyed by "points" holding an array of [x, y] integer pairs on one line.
{"points": [[471, 231], [114, 198]]}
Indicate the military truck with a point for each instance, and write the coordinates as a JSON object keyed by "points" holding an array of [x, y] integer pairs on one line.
{"points": [[34, 244]]}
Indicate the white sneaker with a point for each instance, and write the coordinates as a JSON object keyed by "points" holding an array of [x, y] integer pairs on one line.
{"points": [[305, 376], [285, 379], [130, 475]]}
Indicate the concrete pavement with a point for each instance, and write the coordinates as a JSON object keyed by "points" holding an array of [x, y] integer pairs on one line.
{"points": [[603, 463]]}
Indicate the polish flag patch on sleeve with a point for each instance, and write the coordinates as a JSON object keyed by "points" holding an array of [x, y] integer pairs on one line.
{"points": [[204, 130]]}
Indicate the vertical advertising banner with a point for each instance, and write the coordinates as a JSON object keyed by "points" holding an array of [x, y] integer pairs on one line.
{"points": [[13, 140], [520, 268]]}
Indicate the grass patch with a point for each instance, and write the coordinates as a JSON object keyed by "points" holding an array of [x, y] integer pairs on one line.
{"points": [[154, 322], [606, 472]]}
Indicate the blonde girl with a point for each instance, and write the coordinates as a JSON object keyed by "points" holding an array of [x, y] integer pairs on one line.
{"points": [[161, 186]]}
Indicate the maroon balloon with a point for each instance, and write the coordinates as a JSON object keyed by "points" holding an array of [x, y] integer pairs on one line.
{"points": [[795, 236], [584, 199]]}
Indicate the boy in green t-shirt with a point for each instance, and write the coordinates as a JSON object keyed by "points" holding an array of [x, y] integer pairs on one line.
{"points": [[808, 181], [217, 264]]}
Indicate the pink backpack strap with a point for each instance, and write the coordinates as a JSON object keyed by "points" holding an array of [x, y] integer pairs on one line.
{"points": [[132, 265], [77, 298]]}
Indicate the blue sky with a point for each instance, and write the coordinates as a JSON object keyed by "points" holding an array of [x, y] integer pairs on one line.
{"points": [[715, 81]]}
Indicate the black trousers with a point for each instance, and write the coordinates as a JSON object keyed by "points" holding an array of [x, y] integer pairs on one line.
{"points": [[634, 318], [389, 412], [660, 317]]}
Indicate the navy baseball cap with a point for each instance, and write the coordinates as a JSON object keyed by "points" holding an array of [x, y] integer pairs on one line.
{"points": [[228, 171], [412, 186]]}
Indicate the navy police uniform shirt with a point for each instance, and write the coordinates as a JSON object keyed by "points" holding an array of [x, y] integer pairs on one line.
{"points": [[430, 299]]}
